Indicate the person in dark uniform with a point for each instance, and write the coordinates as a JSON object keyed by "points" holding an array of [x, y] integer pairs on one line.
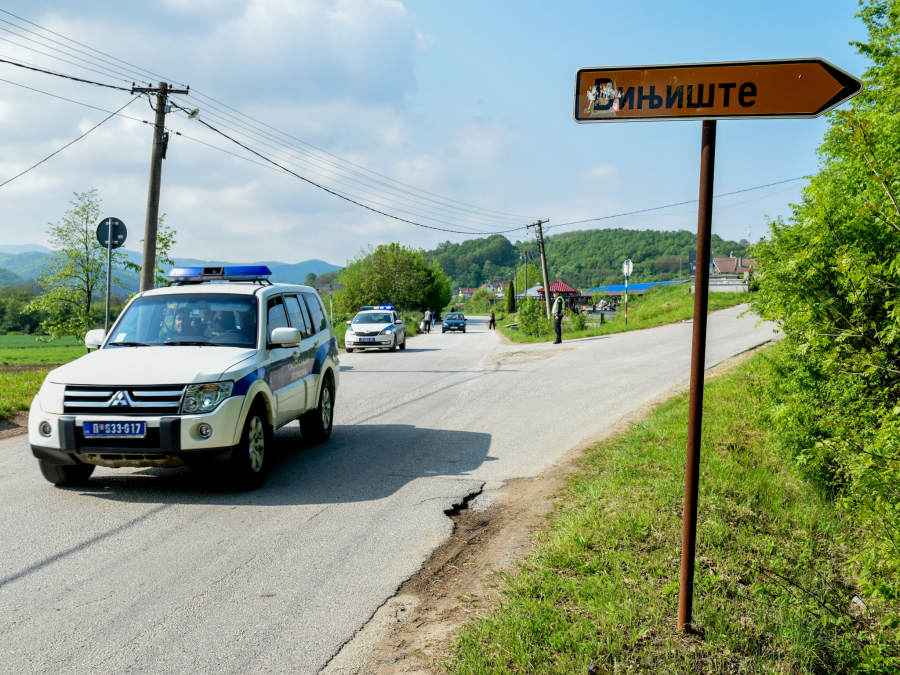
{"points": [[558, 310], [492, 324]]}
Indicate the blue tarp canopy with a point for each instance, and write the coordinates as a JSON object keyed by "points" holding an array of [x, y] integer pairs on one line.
{"points": [[634, 287]]}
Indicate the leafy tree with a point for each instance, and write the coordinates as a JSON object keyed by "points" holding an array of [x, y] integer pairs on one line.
{"points": [[534, 277], [76, 273], [479, 303], [511, 298], [310, 279], [392, 274], [165, 239], [532, 319], [595, 297], [14, 312], [830, 278]]}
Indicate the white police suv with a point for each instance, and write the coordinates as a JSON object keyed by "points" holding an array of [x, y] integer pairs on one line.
{"points": [[378, 327], [195, 372]]}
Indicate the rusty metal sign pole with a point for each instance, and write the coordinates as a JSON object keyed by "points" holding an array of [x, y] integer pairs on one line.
{"points": [[698, 365]]}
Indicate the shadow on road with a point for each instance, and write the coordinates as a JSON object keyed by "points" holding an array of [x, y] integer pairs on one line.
{"points": [[359, 463]]}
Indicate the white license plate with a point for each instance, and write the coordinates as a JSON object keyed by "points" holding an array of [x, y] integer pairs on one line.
{"points": [[367, 339], [115, 429]]}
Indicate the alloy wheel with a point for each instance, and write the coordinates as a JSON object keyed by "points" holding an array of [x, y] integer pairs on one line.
{"points": [[257, 444]]}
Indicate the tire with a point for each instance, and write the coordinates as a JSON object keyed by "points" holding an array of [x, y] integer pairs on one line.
{"points": [[463, 330], [403, 344], [316, 425], [247, 466], [349, 350], [393, 347], [66, 475]]}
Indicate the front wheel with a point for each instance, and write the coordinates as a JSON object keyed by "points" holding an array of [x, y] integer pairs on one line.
{"points": [[248, 462], [66, 474], [403, 344], [316, 425], [349, 350]]}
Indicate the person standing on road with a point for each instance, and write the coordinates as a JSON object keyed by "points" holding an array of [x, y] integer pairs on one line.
{"points": [[492, 324], [558, 308], [427, 321], [433, 319]]}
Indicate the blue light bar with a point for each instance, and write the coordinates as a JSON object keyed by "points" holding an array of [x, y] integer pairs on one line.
{"points": [[379, 307], [235, 273]]}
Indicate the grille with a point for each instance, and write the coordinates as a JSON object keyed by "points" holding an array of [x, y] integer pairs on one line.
{"points": [[360, 334], [164, 400]]}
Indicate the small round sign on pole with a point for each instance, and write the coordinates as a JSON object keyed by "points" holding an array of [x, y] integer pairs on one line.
{"points": [[119, 232], [111, 233]]}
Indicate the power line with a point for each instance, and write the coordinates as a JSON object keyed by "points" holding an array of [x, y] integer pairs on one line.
{"points": [[668, 206], [69, 143], [68, 77], [482, 222], [31, 23], [342, 196], [86, 105]]}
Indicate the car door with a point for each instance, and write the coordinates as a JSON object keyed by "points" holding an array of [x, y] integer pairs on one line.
{"points": [[300, 319], [319, 324], [399, 329], [282, 366]]}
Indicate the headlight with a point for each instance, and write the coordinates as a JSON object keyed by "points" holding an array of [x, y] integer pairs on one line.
{"points": [[388, 330], [201, 398], [51, 396]]}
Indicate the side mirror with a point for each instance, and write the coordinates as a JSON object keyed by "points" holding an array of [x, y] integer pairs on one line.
{"points": [[349, 323], [94, 338], [285, 337], [398, 322]]}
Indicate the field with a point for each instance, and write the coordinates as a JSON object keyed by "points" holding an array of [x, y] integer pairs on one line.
{"points": [[19, 349], [599, 594], [655, 308]]}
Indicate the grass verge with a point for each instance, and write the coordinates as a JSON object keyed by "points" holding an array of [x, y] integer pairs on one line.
{"points": [[17, 349], [772, 593], [667, 304], [17, 390]]}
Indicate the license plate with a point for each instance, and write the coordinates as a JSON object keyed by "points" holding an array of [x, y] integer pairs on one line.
{"points": [[115, 429], [367, 339]]}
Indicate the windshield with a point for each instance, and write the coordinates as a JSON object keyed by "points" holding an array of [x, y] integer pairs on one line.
{"points": [[204, 319], [372, 317], [454, 317]]}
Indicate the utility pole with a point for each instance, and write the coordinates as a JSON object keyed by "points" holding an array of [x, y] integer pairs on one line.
{"points": [[540, 238], [148, 262]]}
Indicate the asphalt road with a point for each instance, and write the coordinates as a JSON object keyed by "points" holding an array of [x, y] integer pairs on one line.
{"points": [[152, 571]]}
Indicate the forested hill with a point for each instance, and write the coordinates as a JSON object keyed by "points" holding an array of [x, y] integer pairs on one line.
{"points": [[583, 259]]}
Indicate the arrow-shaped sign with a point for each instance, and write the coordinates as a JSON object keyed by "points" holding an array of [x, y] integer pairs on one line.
{"points": [[707, 91]]}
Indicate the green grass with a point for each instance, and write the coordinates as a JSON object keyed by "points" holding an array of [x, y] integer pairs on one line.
{"points": [[20, 349], [18, 389], [668, 304], [601, 588]]}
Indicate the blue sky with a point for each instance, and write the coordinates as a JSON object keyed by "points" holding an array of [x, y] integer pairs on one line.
{"points": [[468, 100]]}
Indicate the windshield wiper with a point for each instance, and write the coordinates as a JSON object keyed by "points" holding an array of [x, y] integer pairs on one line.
{"points": [[129, 344], [192, 343]]}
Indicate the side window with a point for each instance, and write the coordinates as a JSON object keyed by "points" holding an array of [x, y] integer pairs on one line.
{"points": [[316, 310], [298, 319], [276, 316]]}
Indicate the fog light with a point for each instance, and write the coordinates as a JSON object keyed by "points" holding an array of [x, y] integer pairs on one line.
{"points": [[45, 429], [204, 430]]}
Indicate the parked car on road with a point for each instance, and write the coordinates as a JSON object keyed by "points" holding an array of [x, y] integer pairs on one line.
{"points": [[377, 327]]}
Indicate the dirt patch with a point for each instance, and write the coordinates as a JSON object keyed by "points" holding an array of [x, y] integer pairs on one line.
{"points": [[22, 367], [413, 631], [14, 426]]}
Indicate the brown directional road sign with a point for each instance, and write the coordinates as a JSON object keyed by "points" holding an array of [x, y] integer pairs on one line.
{"points": [[712, 91]]}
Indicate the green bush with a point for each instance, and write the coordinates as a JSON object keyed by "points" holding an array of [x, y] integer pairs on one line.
{"points": [[574, 322], [532, 320]]}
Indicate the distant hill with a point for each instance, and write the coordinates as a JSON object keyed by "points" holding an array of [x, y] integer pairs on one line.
{"points": [[25, 265], [9, 277], [583, 259], [24, 248]]}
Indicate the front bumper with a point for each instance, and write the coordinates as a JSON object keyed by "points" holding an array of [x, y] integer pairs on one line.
{"points": [[378, 341], [455, 326], [170, 440]]}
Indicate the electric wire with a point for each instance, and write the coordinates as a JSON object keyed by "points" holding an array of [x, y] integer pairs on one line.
{"points": [[68, 77], [69, 143], [31, 23], [501, 221], [668, 206], [428, 208], [86, 105], [338, 194]]}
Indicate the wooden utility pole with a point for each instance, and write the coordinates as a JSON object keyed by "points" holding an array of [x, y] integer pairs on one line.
{"points": [[148, 262], [540, 238]]}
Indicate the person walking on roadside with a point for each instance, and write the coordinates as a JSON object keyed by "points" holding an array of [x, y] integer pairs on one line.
{"points": [[492, 324], [558, 308], [427, 321], [433, 318]]}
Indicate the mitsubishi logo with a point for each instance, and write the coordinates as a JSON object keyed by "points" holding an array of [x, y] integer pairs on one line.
{"points": [[120, 399]]}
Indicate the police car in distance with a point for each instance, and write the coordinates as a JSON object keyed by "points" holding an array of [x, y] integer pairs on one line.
{"points": [[194, 372], [378, 327]]}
